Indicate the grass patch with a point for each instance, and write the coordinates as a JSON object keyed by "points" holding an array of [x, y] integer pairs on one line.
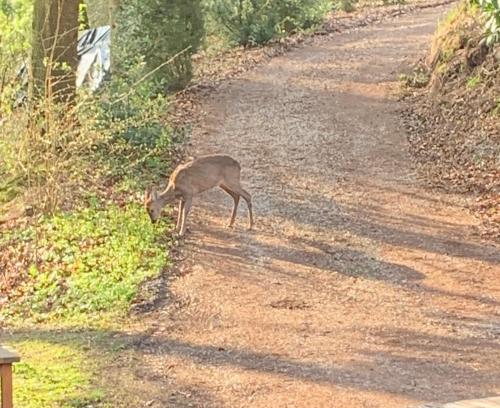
{"points": [[473, 81], [88, 264], [60, 368], [54, 375], [454, 32]]}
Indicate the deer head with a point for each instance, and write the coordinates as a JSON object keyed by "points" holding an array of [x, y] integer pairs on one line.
{"points": [[154, 202]]}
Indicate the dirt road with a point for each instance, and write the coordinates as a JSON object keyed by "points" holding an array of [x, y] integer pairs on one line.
{"points": [[358, 287]]}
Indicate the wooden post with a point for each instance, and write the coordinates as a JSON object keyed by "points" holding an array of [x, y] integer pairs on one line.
{"points": [[6, 375], [7, 357]]}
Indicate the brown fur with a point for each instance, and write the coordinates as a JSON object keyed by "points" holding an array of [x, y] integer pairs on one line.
{"points": [[194, 177]]}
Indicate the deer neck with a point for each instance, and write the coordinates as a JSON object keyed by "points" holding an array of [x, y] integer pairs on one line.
{"points": [[166, 196]]}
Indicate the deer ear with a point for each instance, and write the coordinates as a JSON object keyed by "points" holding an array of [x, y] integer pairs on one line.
{"points": [[154, 195], [147, 195]]}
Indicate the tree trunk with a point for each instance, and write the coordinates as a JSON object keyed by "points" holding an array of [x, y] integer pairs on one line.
{"points": [[37, 71], [113, 8], [54, 49]]}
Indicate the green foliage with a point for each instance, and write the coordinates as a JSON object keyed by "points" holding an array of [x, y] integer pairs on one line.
{"points": [[491, 8], [15, 18], [107, 144], [300, 14], [344, 5], [86, 264], [83, 19], [251, 22], [89, 263], [99, 12], [473, 81], [116, 136], [149, 33], [15, 25], [454, 32], [419, 78], [134, 136], [15, 34]]}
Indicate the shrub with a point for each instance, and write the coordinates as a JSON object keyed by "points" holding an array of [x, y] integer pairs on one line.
{"points": [[344, 5], [15, 23], [134, 137], [151, 32], [491, 9], [251, 22], [58, 153]]}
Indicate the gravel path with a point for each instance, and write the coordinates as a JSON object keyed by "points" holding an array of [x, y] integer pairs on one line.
{"points": [[358, 287]]}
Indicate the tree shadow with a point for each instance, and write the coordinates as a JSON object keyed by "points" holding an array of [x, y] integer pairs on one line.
{"points": [[371, 221], [119, 378], [299, 251], [246, 256], [405, 366]]}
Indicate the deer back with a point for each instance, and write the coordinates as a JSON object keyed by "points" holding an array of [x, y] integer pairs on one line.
{"points": [[204, 173]]}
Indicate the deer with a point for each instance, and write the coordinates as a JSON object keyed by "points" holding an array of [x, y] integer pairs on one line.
{"points": [[195, 177]]}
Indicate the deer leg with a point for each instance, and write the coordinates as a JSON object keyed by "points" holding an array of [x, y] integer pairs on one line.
{"points": [[248, 198], [179, 214], [185, 211], [236, 198]]}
